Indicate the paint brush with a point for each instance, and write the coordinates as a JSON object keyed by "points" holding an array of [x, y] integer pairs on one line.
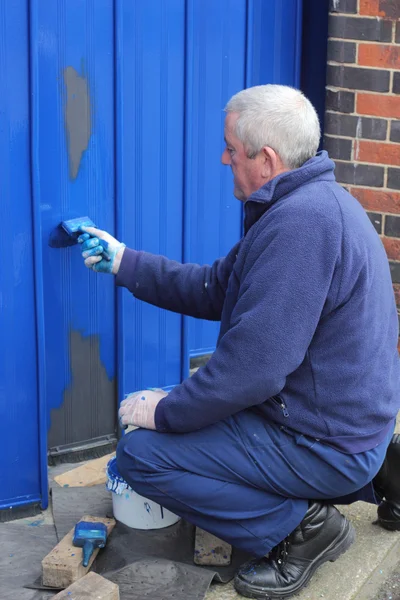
{"points": [[67, 233], [88, 536]]}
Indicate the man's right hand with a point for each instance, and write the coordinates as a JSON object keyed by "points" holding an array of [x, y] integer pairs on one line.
{"points": [[92, 250]]}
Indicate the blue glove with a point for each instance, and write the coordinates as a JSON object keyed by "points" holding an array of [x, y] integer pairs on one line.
{"points": [[94, 242]]}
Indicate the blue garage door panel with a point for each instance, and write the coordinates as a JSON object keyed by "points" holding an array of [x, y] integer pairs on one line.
{"points": [[150, 137], [112, 109], [73, 163], [230, 45], [215, 70], [274, 42], [19, 410]]}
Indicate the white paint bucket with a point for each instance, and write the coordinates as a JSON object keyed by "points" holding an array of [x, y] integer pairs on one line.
{"points": [[134, 510]]}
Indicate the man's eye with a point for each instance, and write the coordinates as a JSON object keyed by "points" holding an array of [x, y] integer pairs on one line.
{"points": [[230, 150]]}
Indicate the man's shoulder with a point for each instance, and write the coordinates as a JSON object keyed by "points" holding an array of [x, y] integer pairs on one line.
{"points": [[314, 204]]}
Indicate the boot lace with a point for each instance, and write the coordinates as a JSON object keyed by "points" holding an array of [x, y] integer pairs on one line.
{"points": [[281, 552]]}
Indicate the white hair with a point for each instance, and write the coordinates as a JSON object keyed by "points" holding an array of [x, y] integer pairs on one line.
{"points": [[277, 116]]}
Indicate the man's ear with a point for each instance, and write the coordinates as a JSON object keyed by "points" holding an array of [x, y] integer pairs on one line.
{"points": [[271, 163]]}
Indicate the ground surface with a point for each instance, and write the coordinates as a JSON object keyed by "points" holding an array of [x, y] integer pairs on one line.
{"points": [[370, 570]]}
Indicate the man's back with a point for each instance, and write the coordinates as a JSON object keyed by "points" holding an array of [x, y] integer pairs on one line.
{"points": [[346, 388]]}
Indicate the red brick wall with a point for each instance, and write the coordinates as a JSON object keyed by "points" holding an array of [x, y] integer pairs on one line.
{"points": [[362, 121]]}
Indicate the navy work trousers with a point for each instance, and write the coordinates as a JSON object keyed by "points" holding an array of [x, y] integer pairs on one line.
{"points": [[245, 480]]}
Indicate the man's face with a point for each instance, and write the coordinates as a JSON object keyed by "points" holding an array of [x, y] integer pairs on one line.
{"points": [[247, 172]]}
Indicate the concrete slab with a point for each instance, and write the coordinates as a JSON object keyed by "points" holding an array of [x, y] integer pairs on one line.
{"points": [[385, 581], [345, 577], [46, 517]]}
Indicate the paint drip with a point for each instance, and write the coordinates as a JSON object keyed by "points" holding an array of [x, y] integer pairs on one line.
{"points": [[115, 483]]}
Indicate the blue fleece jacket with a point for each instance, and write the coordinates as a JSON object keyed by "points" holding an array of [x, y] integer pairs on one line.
{"points": [[309, 327]]}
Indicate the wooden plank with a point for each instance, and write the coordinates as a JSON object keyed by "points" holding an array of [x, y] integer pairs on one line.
{"points": [[90, 587], [210, 550], [63, 565], [91, 473]]}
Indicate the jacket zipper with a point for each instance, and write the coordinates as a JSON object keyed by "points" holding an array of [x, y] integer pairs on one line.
{"points": [[282, 405]]}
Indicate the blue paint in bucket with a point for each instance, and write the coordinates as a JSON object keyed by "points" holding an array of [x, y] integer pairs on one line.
{"points": [[135, 510], [115, 482]]}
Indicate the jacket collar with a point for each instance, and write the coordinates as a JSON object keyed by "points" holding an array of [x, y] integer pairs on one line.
{"points": [[319, 167]]}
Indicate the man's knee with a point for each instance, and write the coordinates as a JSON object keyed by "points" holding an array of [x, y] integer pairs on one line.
{"points": [[134, 462], [132, 445]]}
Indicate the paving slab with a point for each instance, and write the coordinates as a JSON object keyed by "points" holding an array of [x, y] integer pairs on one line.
{"points": [[384, 584]]}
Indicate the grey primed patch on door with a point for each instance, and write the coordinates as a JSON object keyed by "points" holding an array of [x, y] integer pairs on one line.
{"points": [[89, 408], [77, 118]]}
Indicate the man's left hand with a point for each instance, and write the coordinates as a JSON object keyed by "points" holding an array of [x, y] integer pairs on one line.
{"points": [[139, 408]]}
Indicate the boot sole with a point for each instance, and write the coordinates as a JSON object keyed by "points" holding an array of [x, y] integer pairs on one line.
{"points": [[336, 549], [389, 525]]}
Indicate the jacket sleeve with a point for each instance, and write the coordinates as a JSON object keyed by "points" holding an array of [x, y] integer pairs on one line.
{"points": [[284, 285], [189, 289]]}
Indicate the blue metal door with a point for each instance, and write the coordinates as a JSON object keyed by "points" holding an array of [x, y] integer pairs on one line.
{"points": [[230, 45], [72, 70], [23, 456], [112, 109], [150, 75]]}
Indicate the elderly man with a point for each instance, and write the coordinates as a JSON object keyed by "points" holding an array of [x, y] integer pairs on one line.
{"points": [[297, 405]]}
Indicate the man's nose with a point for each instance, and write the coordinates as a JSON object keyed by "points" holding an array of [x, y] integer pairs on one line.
{"points": [[225, 158]]}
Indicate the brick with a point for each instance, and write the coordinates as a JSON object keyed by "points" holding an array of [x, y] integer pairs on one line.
{"points": [[377, 200], [398, 33], [396, 83], [343, 6], [396, 290], [390, 8], [380, 8], [378, 152], [380, 106], [374, 129], [338, 147], [395, 271], [393, 181], [357, 78], [90, 587], [356, 28], [376, 221], [392, 226], [370, 7], [392, 247], [355, 174], [340, 100], [395, 132], [62, 566], [379, 55], [353, 126], [336, 124], [343, 52]]}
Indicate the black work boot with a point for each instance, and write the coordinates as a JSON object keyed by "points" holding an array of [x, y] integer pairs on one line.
{"points": [[324, 534], [387, 486]]}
